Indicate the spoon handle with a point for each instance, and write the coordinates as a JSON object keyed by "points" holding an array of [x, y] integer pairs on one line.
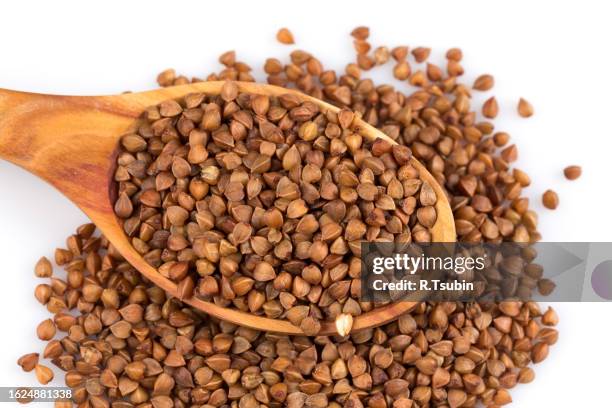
{"points": [[67, 141], [13, 105]]}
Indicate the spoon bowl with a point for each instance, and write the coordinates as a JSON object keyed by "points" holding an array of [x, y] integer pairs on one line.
{"points": [[72, 142]]}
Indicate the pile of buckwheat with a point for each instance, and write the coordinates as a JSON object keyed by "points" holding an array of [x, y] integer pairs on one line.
{"points": [[256, 177]]}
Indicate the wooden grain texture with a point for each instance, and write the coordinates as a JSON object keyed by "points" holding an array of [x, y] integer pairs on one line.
{"points": [[72, 143]]}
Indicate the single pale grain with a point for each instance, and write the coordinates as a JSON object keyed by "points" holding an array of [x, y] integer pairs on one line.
{"points": [[344, 323]]}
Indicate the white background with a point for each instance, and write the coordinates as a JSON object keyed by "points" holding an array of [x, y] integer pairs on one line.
{"points": [[556, 54]]}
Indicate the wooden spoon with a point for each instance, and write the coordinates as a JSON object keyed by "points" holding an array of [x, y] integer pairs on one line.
{"points": [[72, 142]]}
